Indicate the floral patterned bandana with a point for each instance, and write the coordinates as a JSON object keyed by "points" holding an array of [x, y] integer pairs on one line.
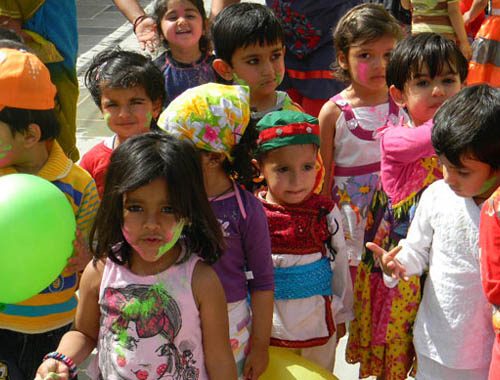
{"points": [[213, 116]]}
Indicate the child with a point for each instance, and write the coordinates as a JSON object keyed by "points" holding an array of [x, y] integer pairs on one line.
{"points": [[215, 118], [187, 61], [453, 335], [364, 39], [28, 129], [424, 70], [307, 240], [148, 301], [248, 41], [128, 89], [489, 237], [439, 16], [484, 66]]}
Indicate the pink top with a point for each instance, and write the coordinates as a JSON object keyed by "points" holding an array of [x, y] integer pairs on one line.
{"points": [[150, 325], [409, 162]]}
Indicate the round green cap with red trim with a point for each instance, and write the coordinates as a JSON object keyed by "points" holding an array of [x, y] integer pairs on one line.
{"points": [[281, 128]]}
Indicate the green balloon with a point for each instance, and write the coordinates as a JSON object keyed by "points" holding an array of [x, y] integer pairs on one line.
{"points": [[37, 229]]}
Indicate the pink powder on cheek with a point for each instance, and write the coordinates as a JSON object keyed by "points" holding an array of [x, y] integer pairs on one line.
{"points": [[363, 71]]}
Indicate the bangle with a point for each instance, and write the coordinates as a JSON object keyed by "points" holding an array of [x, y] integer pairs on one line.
{"points": [[63, 359], [137, 21]]}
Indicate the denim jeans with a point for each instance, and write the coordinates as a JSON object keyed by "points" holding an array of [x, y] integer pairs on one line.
{"points": [[21, 354]]}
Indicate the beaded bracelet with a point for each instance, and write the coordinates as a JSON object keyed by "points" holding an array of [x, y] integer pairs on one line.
{"points": [[137, 21], [63, 359]]}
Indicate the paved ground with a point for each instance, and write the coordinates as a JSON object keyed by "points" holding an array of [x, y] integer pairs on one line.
{"points": [[101, 25]]}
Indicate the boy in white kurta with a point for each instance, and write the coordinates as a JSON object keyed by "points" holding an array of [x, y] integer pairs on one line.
{"points": [[452, 334]]}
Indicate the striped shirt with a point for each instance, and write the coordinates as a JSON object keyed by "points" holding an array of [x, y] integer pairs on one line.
{"points": [[55, 306], [432, 16]]}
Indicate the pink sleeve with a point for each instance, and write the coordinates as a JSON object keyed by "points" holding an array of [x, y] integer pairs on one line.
{"points": [[404, 145]]}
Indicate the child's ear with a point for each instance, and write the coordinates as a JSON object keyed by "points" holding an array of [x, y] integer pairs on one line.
{"points": [[157, 107], [397, 95], [342, 59], [32, 135], [223, 68]]}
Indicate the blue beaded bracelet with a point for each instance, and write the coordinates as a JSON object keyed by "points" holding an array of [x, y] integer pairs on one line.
{"points": [[63, 359]]}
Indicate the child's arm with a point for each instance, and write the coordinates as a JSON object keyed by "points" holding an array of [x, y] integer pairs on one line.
{"points": [[476, 8], [262, 303], [413, 251], [327, 118], [457, 22], [209, 296], [85, 216], [343, 298], [405, 145], [79, 343], [406, 4]]}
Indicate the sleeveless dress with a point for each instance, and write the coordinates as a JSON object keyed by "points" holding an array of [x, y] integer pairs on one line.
{"points": [[357, 166], [150, 325]]}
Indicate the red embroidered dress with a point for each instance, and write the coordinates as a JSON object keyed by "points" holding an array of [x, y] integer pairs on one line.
{"points": [[312, 292]]}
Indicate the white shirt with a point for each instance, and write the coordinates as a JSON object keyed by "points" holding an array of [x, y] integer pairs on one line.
{"points": [[453, 325]]}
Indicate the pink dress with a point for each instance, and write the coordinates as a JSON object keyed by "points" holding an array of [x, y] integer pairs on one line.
{"points": [[150, 325]]}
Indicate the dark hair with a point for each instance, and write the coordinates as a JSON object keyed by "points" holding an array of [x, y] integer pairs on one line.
{"points": [[244, 24], [430, 49], [241, 168], [161, 7], [19, 120], [363, 23], [116, 68], [469, 124], [135, 163]]}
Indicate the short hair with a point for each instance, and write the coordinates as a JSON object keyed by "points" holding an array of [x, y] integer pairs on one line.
{"points": [[244, 24], [430, 49], [135, 163], [363, 23], [161, 7], [468, 124], [116, 68], [19, 120]]}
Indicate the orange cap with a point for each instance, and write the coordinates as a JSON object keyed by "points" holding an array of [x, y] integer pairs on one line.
{"points": [[24, 81]]}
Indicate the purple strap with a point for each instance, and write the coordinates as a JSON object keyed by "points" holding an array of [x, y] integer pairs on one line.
{"points": [[353, 125]]}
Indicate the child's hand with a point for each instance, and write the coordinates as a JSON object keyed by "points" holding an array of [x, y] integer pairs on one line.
{"points": [[387, 261], [466, 49], [81, 254], [256, 363], [52, 369], [340, 328], [147, 34]]}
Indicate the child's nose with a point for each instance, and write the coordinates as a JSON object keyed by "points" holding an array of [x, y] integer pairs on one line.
{"points": [[152, 221], [437, 90]]}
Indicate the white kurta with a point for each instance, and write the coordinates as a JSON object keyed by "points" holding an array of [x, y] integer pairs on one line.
{"points": [[453, 325]]}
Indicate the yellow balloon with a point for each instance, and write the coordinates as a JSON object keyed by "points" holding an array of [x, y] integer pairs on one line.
{"points": [[285, 365]]}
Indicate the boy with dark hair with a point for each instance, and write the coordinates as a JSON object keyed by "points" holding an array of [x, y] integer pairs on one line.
{"points": [[28, 129], [249, 48], [454, 343]]}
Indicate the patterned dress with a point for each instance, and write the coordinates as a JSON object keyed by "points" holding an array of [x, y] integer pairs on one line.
{"points": [[380, 337]]}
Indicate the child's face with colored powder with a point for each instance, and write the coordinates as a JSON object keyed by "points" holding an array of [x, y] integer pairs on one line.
{"points": [[182, 24], [150, 226], [473, 178], [367, 62], [423, 95], [290, 173], [10, 146], [128, 111], [261, 67]]}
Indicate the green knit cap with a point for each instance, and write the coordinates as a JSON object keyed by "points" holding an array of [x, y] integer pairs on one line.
{"points": [[281, 128]]}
